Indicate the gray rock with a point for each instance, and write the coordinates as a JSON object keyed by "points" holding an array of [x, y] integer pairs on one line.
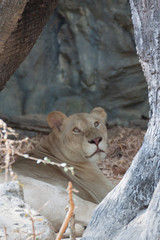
{"points": [[11, 189], [11, 98], [86, 50], [15, 217], [74, 104]]}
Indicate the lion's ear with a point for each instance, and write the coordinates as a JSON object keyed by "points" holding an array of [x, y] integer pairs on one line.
{"points": [[99, 111], [56, 119]]}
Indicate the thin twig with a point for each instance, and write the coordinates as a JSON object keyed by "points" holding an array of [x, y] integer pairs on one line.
{"points": [[33, 227], [45, 161], [37, 159], [6, 148], [7, 155], [69, 213], [72, 228], [5, 233]]}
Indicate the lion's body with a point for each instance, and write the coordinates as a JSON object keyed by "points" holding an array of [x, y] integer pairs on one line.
{"points": [[79, 141], [63, 146]]}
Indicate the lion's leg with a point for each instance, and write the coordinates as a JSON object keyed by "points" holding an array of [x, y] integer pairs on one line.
{"points": [[52, 201]]}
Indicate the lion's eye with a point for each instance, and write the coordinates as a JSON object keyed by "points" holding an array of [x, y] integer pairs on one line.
{"points": [[76, 130], [96, 124]]}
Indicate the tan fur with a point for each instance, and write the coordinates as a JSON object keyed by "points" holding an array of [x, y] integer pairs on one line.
{"points": [[71, 142], [76, 150]]}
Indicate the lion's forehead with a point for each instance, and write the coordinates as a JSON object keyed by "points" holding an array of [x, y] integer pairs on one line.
{"points": [[81, 120]]}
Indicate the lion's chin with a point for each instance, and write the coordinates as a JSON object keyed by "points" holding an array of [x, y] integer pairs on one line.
{"points": [[97, 156]]}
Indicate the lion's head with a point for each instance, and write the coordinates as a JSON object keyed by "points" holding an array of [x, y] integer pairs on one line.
{"points": [[83, 136], [79, 140]]}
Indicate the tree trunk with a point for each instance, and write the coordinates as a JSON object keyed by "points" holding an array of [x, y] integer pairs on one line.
{"points": [[131, 210], [21, 22]]}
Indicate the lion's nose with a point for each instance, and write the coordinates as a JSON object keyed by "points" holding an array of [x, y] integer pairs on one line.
{"points": [[96, 141]]}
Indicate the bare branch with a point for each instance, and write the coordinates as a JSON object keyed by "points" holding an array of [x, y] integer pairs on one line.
{"points": [[69, 213]]}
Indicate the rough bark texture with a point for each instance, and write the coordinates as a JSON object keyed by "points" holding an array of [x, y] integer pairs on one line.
{"points": [[21, 22], [131, 210]]}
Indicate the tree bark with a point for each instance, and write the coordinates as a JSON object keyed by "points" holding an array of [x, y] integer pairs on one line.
{"points": [[21, 22], [131, 210]]}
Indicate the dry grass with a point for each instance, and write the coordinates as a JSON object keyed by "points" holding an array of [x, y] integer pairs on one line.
{"points": [[124, 143], [10, 146]]}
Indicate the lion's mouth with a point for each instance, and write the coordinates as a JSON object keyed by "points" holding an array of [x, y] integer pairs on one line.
{"points": [[97, 151]]}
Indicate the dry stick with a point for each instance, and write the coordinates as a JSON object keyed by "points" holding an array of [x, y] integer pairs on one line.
{"points": [[33, 228], [72, 228], [69, 213], [48, 161], [7, 148], [7, 156], [7, 160], [5, 232], [37, 159]]}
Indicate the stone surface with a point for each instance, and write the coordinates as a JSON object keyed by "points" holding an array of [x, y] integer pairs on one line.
{"points": [[15, 217], [86, 51]]}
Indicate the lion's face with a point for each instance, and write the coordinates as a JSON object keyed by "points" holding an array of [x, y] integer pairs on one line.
{"points": [[82, 136]]}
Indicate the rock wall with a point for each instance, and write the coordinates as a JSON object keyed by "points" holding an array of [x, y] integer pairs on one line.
{"points": [[85, 57]]}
